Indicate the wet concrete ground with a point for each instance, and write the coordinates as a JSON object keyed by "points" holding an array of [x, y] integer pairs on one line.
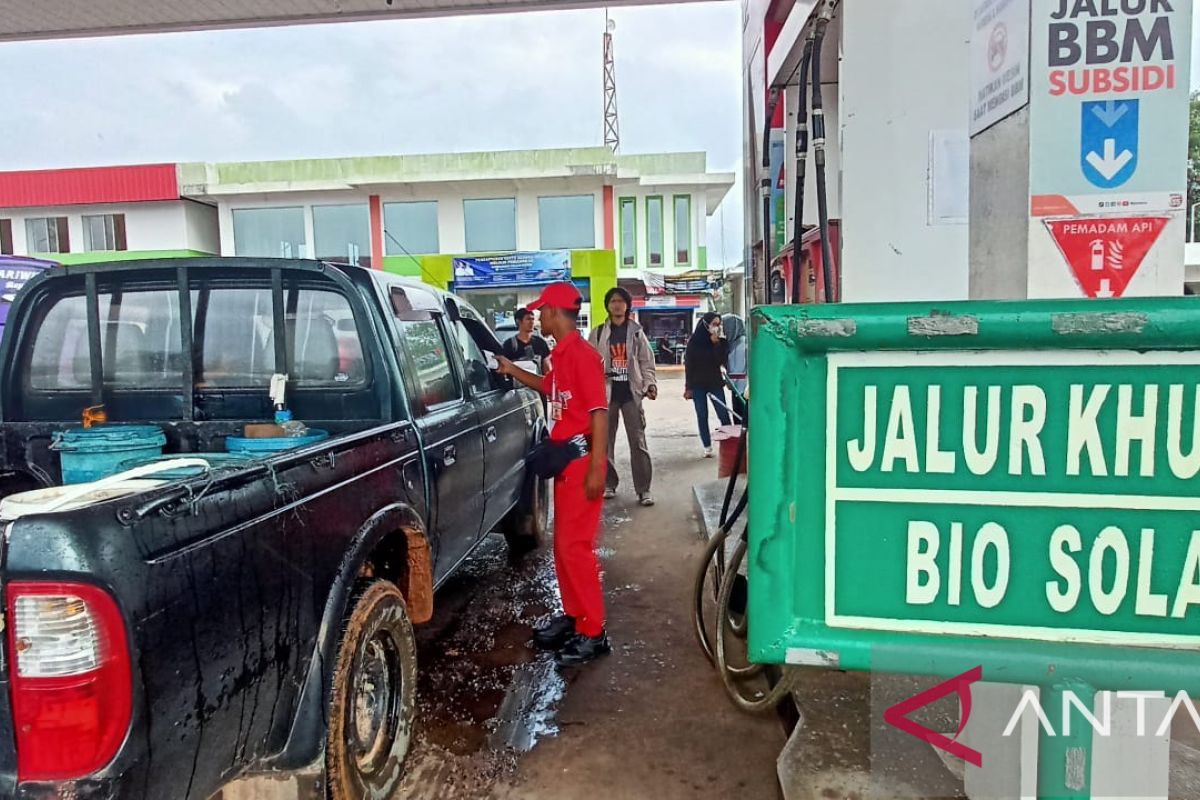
{"points": [[498, 720]]}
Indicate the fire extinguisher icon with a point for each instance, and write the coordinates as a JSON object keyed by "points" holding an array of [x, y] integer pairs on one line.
{"points": [[1098, 255]]}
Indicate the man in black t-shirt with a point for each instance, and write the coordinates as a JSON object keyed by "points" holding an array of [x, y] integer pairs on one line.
{"points": [[629, 366], [527, 345]]}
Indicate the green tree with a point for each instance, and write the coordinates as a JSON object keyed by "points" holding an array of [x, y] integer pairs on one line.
{"points": [[1194, 161]]}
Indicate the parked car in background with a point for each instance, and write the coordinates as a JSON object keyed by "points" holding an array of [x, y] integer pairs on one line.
{"points": [[15, 271], [169, 634]]}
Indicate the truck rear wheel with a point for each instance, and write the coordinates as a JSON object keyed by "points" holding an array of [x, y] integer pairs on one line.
{"points": [[374, 696], [525, 526]]}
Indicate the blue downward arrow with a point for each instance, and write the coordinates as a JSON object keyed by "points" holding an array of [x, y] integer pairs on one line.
{"points": [[1111, 113]]}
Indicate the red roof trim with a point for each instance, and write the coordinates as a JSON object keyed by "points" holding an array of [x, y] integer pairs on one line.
{"points": [[88, 186]]}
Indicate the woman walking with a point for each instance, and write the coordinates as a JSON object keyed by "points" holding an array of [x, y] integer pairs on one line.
{"points": [[707, 353]]}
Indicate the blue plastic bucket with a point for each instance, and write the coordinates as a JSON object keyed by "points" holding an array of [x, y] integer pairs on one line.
{"points": [[215, 461], [89, 454], [275, 444]]}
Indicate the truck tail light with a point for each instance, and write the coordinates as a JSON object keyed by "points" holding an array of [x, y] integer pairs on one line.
{"points": [[71, 679]]}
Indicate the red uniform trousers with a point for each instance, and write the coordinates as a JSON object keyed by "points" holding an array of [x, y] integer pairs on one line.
{"points": [[576, 528]]}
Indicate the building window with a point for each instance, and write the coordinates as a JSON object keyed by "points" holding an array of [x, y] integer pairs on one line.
{"points": [[628, 223], [6, 242], [104, 232], [410, 229], [269, 232], [47, 235], [491, 225], [343, 233], [567, 223], [683, 230], [654, 230]]}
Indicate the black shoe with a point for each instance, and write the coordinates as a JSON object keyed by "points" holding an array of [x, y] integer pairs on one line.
{"points": [[554, 634], [582, 649]]}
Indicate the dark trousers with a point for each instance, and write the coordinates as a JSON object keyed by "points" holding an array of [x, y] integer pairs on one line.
{"points": [[700, 398]]}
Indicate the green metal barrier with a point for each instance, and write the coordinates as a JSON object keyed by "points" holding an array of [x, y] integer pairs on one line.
{"points": [[1006, 484]]}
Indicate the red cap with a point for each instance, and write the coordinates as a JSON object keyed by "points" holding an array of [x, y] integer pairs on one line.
{"points": [[559, 295]]}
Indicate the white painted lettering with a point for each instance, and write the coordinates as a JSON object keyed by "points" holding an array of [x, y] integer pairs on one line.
{"points": [[1136, 428], [1189, 580], [924, 578], [954, 573], [990, 537], [1185, 466], [1028, 419], [1148, 604], [900, 441], [1065, 540], [862, 456], [937, 461], [1110, 539], [981, 462], [1083, 432]]}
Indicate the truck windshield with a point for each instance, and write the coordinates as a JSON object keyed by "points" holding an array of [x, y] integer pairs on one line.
{"points": [[233, 338]]}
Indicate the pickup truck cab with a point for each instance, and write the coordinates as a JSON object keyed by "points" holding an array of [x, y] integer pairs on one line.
{"points": [[252, 616]]}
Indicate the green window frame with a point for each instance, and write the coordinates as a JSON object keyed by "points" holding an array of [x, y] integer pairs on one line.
{"points": [[683, 254], [627, 252], [655, 220]]}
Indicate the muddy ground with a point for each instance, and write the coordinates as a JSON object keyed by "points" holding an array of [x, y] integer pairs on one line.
{"points": [[498, 720]]}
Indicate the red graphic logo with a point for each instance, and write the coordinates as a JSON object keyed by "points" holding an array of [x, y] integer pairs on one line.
{"points": [[998, 47], [897, 715], [1106, 253]]}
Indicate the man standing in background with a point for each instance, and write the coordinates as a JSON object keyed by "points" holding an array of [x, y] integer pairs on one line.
{"points": [[629, 367], [526, 345]]}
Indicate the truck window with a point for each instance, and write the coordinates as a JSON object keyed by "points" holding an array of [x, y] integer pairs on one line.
{"points": [[239, 341], [474, 362], [140, 343], [433, 376]]}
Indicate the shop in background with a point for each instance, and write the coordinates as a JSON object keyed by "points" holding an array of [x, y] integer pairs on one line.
{"points": [[497, 285]]}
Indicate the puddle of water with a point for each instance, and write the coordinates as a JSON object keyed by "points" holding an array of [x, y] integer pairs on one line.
{"points": [[528, 711], [484, 695]]}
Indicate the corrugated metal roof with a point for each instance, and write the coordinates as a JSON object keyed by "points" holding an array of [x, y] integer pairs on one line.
{"points": [[85, 186], [59, 19]]}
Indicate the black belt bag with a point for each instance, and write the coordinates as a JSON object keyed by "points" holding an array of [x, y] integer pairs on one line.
{"points": [[549, 459]]}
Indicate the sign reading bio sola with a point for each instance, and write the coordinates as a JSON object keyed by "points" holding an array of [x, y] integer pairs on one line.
{"points": [[1010, 483], [1108, 143]]}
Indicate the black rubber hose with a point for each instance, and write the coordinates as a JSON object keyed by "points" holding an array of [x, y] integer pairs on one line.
{"points": [[730, 675], [801, 167], [818, 140], [772, 103]]}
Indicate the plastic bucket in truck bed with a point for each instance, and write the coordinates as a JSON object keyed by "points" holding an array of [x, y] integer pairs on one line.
{"points": [[274, 444], [89, 454]]}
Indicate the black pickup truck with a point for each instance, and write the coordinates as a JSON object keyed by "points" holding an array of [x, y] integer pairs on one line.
{"points": [[255, 616]]}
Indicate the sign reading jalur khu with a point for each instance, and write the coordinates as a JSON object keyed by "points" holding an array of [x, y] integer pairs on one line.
{"points": [[1037, 495]]}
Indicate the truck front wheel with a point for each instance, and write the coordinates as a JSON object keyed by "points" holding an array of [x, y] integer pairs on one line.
{"points": [[525, 526], [374, 696]]}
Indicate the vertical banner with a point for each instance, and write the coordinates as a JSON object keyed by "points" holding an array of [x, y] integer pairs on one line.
{"points": [[778, 193], [1108, 146]]}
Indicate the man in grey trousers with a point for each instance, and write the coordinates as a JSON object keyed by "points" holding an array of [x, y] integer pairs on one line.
{"points": [[629, 367]]}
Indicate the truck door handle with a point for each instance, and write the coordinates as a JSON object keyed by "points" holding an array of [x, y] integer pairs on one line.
{"points": [[449, 455], [490, 433]]}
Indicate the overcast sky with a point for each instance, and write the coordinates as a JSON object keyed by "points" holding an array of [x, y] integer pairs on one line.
{"points": [[497, 82], [471, 83]]}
